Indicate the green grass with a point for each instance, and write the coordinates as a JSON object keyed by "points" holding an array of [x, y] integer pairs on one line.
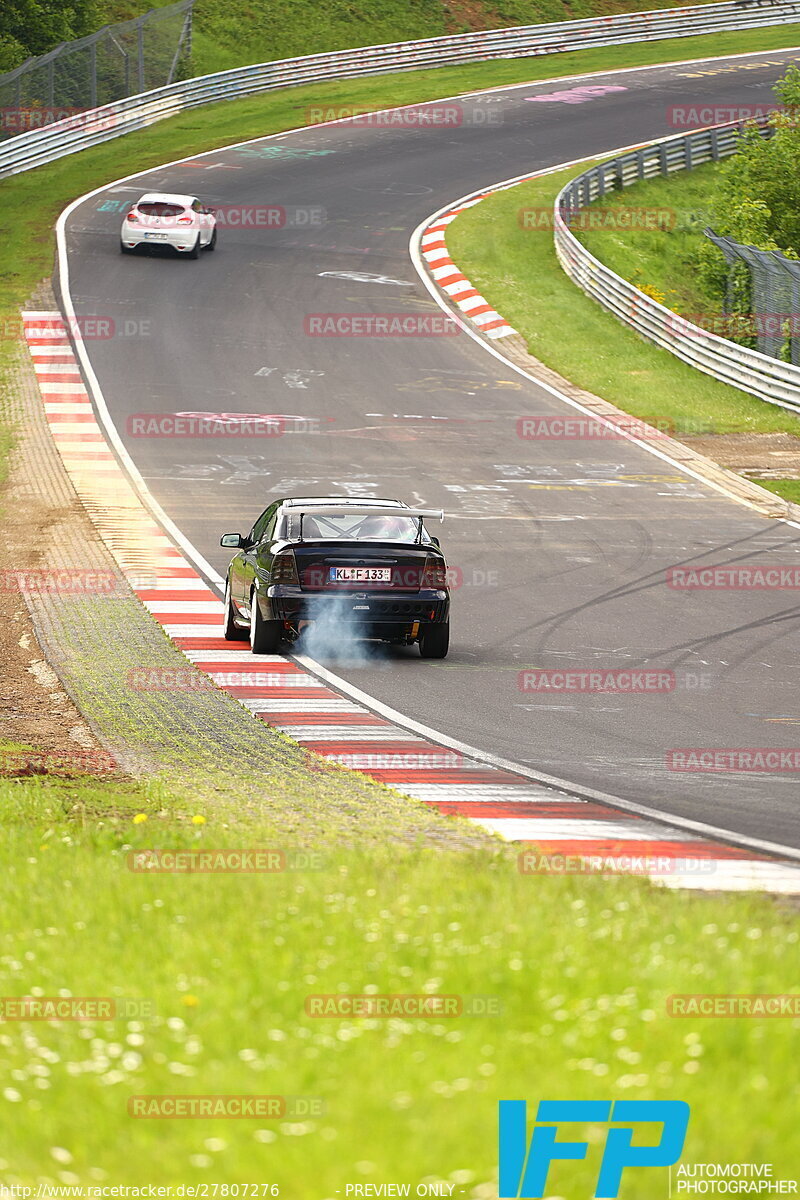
{"points": [[789, 489], [582, 968], [663, 259], [228, 35]]}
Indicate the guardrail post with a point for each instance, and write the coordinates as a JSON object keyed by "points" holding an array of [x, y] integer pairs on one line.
{"points": [[93, 74], [687, 152], [662, 158], [186, 35], [140, 50]]}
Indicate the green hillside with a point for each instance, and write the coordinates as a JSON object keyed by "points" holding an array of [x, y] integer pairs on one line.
{"points": [[230, 35]]}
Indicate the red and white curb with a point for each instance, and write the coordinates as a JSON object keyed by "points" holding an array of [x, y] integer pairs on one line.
{"points": [[451, 280], [276, 690]]}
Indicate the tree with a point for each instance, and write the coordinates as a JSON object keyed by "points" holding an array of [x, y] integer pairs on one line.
{"points": [[32, 27], [757, 201]]}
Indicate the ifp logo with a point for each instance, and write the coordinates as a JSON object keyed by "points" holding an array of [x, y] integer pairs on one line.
{"points": [[524, 1169]]}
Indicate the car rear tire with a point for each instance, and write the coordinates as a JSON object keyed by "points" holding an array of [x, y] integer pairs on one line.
{"points": [[265, 636], [195, 250], [434, 641], [212, 242], [230, 630]]}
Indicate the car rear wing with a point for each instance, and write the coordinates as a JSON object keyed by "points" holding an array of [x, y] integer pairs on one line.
{"points": [[368, 510]]}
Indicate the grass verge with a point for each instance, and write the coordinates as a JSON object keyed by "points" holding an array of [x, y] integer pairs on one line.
{"points": [[223, 964], [227, 37], [663, 259], [517, 270]]}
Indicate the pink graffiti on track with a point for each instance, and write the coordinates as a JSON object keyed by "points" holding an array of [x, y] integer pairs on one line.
{"points": [[577, 95]]}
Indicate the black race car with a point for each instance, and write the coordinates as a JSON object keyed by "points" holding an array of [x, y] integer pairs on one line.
{"points": [[368, 563]]}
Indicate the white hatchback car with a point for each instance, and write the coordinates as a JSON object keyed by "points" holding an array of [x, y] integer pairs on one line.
{"points": [[182, 223]]}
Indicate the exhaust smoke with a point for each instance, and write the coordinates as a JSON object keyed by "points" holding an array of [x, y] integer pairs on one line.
{"points": [[336, 632]]}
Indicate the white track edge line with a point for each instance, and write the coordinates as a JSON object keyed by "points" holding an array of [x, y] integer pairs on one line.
{"points": [[63, 266], [552, 781], [211, 574]]}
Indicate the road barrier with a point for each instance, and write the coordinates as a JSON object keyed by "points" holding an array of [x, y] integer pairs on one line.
{"points": [[40, 146], [762, 376]]}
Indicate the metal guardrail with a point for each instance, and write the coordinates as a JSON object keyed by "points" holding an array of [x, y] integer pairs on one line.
{"points": [[749, 370], [33, 149]]}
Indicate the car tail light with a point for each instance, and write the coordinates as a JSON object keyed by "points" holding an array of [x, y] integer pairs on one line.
{"points": [[185, 220], [131, 215], [284, 568], [434, 574]]}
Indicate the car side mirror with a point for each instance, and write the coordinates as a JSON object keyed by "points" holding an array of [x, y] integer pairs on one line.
{"points": [[232, 541], [436, 541]]}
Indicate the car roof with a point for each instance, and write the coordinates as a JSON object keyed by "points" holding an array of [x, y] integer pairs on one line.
{"points": [[341, 501], [166, 198]]}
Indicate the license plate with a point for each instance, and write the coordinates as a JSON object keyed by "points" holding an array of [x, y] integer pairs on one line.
{"points": [[359, 574], [162, 237]]}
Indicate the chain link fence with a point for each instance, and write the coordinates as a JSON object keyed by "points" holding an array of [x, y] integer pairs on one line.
{"points": [[117, 61], [762, 301]]}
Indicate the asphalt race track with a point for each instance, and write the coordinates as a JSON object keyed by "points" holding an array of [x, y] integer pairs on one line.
{"points": [[562, 546]]}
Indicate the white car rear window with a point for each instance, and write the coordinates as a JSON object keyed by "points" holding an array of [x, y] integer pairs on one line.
{"points": [[159, 209]]}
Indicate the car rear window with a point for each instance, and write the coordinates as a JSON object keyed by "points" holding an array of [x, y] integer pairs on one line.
{"points": [[157, 208], [353, 527]]}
